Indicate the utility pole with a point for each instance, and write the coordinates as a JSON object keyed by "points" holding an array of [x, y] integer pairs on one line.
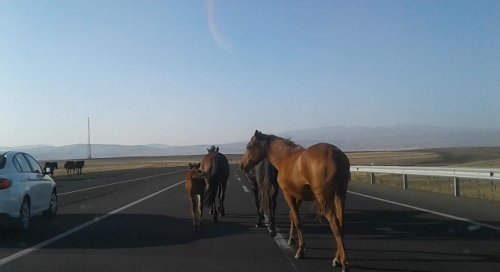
{"points": [[89, 151]]}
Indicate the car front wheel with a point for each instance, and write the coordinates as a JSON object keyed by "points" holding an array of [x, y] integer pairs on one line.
{"points": [[53, 205]]}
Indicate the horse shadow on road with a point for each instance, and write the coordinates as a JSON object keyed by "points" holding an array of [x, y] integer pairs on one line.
{"points": [[117, 231], [402, 240]]}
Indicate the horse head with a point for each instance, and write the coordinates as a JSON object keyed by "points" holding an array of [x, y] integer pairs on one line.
{"points": [[256, 151], [213, 148], [194, 165]]}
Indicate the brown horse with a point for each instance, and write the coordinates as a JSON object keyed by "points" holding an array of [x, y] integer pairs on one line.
{"points": [[215, 168], [319, 173], [195, 188]]}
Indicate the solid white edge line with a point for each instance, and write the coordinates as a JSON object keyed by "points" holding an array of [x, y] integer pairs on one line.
{"points": [[80, 227], [428, 211], [115, 183]]}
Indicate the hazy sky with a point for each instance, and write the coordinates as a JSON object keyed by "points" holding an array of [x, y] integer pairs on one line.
{"points": [[203, 72]]}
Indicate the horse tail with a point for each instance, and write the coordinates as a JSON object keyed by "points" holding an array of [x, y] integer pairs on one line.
{"points": [[213, 183], [211, 194], [264, 196], [341, 182], [335, 199], [267, 186]]}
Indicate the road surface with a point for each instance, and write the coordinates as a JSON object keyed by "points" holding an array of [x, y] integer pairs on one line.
{"points": [[139, 220]]}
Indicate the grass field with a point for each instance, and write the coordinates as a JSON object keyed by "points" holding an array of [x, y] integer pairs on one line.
{"points": [[459, 157]]}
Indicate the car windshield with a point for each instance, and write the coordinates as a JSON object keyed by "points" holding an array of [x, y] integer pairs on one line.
{"points": [[233, 135]]}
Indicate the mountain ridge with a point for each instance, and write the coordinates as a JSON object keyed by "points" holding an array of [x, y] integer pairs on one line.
{"points": [[347, 138]]}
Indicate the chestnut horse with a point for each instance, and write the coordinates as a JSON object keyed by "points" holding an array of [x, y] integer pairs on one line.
{"points": [[195, 188], [263, 179], [215, 168], [319, 173]]}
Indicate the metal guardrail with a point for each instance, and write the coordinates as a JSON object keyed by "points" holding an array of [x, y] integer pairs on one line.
{"points": [[455, 173]]}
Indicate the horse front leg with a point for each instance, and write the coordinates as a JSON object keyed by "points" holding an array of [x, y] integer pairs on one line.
{"points": [[272, 211], [294, 205]]}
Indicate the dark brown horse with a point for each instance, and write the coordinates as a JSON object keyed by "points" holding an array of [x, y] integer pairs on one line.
{"points": [[70, 167], [195, 188], [319, 173], [263, 179], [78, 166], [215, 168]]}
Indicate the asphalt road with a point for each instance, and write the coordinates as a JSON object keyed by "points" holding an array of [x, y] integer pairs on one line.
{"points": [[139, 220]]}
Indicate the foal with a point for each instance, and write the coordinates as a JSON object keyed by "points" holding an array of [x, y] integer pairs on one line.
{"points": [[195, 188]]}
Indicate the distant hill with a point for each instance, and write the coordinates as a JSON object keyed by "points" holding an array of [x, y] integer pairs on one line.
{"points": [[347, 138], [397, 137]]}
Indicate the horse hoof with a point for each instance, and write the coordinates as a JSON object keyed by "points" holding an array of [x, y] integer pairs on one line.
{"points": [[336, 263], [222, 213], [272, 231], [299, 255], [258, 225], [291, 242]]}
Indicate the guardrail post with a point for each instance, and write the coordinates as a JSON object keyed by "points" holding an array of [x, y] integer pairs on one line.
{"points": [[405, 182], [372, 178], [456, 187]]}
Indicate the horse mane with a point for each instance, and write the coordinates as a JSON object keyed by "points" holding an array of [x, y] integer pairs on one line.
{"points": [[287, 141]]}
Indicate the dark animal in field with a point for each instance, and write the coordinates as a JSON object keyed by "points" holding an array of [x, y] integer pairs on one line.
{"points": [[70, 167], [319, 173], [263, 179], [78, 166], [51, 166], [195, 188], [215, 168]]}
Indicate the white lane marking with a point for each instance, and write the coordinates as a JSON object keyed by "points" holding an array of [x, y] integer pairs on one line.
{"points": [[245, 189], [78, 228], [238, 178], [429, 211], [114, 183]]}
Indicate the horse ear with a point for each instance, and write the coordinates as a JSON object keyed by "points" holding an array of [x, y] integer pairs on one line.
{"points": [[197, 166], [190, 166], [257, 134]]}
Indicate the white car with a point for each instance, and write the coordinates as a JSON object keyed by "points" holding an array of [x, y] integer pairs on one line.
{"points": [[25, 189]]}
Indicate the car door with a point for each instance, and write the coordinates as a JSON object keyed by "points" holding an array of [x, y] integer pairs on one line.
{"points": [[28, 179], [41, 186]]}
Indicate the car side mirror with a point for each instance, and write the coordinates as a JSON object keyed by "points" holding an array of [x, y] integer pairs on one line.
{"points": [[46, 170]]}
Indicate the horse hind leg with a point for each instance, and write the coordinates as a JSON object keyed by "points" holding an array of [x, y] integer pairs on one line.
{"points": [[199, 210], [193, 207], [335, 218], [222, 196]]}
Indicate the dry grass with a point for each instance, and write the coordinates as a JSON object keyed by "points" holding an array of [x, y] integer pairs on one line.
{"points": [[117, 164], [456, 157]]}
